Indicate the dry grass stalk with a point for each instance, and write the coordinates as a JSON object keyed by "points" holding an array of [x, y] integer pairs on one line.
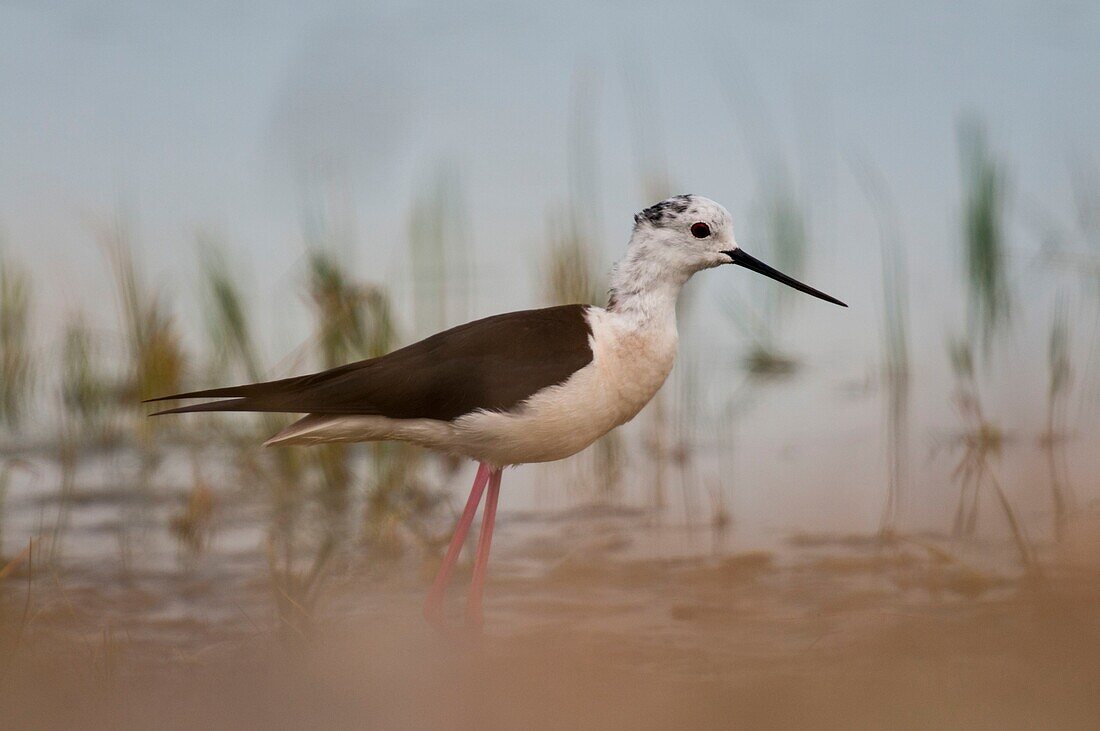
{"points": [[980, 444], [1053, 438], [895, 340], [295, 590], [439, 254], [156, 359], [86, 390], [16, 364]]}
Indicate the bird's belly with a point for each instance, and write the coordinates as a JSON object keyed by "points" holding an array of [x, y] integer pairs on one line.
{"points": [[554, 423]]}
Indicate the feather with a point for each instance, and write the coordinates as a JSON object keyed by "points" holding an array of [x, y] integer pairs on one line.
{"points": [[491, 364]]}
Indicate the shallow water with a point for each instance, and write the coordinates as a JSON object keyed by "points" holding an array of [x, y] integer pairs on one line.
{"points": [[596, 616]]}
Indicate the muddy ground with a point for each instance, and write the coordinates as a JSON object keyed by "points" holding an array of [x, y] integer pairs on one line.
{"points": [[595, 618]]}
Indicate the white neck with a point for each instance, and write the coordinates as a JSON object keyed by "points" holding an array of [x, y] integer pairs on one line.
{"points": [[646, 285]]}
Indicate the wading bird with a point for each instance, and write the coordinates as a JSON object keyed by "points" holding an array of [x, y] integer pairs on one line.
{"points": [[530, 386]]}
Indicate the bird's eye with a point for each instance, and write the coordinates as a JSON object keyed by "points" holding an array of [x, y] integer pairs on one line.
{"points": [[700, 230]]}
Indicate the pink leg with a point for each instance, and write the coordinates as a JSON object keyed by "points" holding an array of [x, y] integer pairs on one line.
{"points": [[481, 564], [433, 606]]}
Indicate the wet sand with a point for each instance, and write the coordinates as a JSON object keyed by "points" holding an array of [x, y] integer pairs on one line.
{"points": [[587, 626]]}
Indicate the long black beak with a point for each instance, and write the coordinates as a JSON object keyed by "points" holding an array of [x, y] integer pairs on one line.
{"points": [[751, 262]]}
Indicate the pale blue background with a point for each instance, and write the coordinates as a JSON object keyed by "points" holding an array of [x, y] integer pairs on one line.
{"points": [[208, 115]]}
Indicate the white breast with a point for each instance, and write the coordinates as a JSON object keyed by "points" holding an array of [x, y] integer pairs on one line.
{"points": [[628, 366]]}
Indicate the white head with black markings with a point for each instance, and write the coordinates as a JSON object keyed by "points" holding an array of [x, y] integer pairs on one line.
{"points": [[673, 240]]}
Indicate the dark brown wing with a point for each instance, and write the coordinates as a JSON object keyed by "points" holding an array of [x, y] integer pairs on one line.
{"points": [[491, 364]]}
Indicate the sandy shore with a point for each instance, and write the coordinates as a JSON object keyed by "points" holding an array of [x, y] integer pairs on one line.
{"points": [[592, 632]]}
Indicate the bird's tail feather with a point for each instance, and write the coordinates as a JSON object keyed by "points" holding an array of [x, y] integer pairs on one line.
{"points": [[237, 404], [252, 389], [291, 395]]}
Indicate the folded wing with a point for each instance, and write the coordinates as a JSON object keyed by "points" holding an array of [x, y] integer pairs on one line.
{"points": [[492, 364]]}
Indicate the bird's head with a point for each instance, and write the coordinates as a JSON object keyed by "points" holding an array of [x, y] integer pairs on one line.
{"points": [[688, 233]]}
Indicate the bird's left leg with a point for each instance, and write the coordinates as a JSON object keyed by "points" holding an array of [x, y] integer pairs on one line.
{"points": [[433, 606], [481, 563]]}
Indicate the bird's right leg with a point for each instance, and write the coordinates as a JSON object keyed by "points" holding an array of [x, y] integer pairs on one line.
{"points": [[481, 563], [433, 606]]}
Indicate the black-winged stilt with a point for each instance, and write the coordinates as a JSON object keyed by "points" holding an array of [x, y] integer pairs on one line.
{"points": [[531, 386]]}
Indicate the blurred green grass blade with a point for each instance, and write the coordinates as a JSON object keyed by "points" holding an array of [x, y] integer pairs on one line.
{"points": [[16, 361], [984, 247]]}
